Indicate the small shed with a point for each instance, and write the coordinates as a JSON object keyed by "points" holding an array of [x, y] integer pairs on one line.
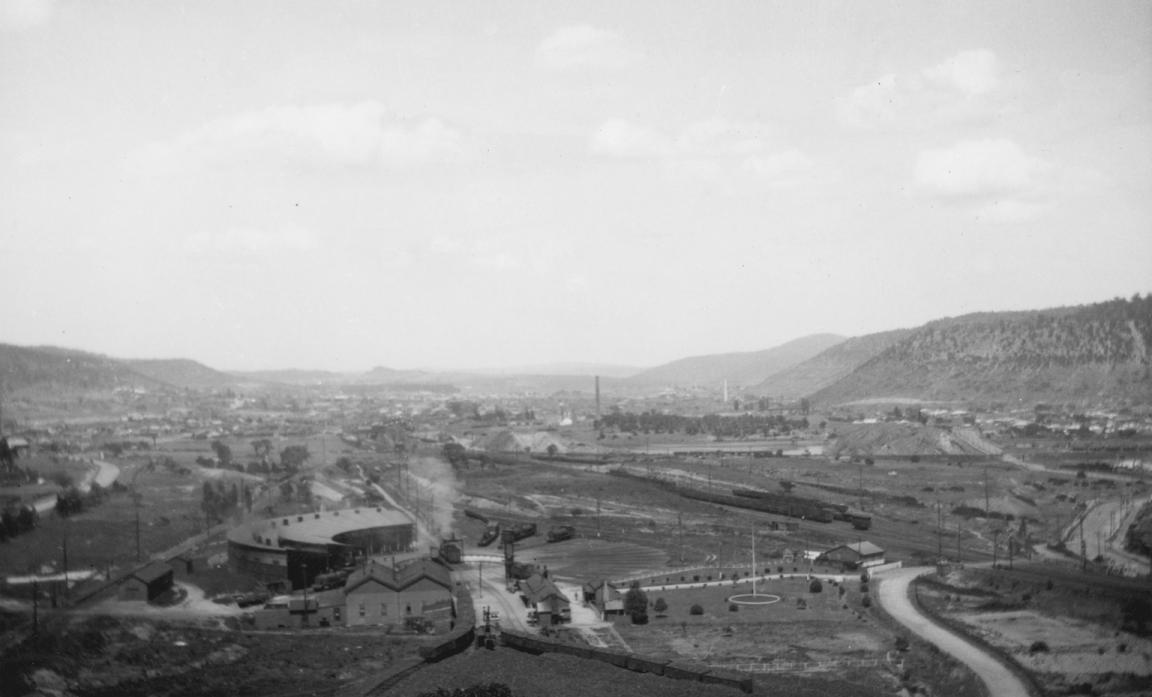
{"points": [[857, 555], [147, 583]]}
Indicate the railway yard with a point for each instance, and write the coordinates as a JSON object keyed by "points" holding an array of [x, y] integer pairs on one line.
{"points": [[691, 530]]}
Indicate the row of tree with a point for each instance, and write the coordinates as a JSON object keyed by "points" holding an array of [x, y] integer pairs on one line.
{"points": [[714, 424]]}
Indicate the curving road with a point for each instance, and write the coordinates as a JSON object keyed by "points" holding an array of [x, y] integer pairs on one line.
{"points": [[893, 595]]}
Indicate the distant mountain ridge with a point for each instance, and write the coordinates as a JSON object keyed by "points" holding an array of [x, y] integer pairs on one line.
{"points": [[1089, 353], [1086, 354], [739, 369]]}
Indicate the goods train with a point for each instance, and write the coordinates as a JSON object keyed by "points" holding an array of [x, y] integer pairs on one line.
{"points": [[787, 506], [859, 519], [491, 531], [517, 532], [559, 533]]}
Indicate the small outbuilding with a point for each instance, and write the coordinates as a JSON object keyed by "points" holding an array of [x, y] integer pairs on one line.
{"points": [[147, 583], [858, 555]]}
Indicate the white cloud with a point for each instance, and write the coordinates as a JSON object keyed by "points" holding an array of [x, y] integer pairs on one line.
{"points": [[970, 72], [18, 15], [324, 136], [978, 168], [962, 88], [252, 240], [994, 177], [706, 150], [583, 46], [620, 138]]}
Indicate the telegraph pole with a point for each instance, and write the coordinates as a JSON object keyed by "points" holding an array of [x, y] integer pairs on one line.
{"points": [[985, 491], [939, 532]]}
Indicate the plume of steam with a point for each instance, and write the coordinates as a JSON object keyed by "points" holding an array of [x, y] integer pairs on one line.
{"points": [[438, 491]]}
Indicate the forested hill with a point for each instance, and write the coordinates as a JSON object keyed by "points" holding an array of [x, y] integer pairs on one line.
{"points": [[51, 369], [1091, 353], [739, 369]]}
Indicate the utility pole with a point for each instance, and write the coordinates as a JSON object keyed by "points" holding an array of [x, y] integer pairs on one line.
{"points": [[597, 513], [680, 527], [136, 508], [64, 550], [995, 544], [1083, 547], [958, 559], [939, 532], [985, 491]]}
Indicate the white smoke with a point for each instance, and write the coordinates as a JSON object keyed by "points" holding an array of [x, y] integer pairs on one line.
{"points": [[434, 493]]}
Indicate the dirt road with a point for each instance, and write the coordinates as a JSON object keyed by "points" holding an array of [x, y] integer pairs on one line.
{"points": [[893, 595]]}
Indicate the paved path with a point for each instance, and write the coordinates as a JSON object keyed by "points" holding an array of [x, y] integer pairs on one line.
{"points": [[893, 595]]}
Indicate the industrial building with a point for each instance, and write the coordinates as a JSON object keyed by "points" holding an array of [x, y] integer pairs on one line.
{"points": [[546, 600], [858, 555], [381, 594], [292, 550], [148, 583]]}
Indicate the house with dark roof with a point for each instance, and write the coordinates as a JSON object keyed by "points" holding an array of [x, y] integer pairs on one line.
{"points": [[383, 594], [147, 583], [604, 597], [548, 601], [858, 555]]}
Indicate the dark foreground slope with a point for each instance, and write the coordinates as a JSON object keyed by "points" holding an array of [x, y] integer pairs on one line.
{"points": [[1087, 354]]}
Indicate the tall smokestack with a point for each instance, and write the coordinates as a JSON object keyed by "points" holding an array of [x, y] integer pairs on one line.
{"points": [[597, 397]]}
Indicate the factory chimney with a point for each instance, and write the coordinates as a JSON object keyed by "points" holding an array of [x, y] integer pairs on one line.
{"points": [[597, 397]]}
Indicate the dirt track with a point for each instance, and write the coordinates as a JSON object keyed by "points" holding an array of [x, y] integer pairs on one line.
{"points": [[893, 594]]}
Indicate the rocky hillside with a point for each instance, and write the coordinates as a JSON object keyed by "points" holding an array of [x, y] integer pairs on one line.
{"points": [[1091, 353], [739, 369], [829, 366]]}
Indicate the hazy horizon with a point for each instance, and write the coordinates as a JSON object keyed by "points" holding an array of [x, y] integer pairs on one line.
{"points": [[336, 186]]}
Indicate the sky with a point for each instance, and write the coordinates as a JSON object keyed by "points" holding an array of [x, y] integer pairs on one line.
{"points": [[342, 185]]}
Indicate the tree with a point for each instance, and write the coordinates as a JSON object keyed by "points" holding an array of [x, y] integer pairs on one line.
{"points": [[636, 604], [454, 453], [223, 453], [815, 586], [660, 607], [552, 450], [293, 457]]}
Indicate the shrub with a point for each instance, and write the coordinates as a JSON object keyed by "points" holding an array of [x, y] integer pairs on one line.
{"points": [[696, 610], [1038, 647], [815, 586], [901, 644], [733, 607], [866, 601], [660, 606]]}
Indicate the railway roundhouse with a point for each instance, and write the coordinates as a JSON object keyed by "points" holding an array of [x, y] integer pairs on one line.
{"points": [[296, 548]]}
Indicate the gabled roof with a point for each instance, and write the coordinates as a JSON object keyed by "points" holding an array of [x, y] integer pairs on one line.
{"points": [[538, 588], [152, 571], [863, 549], [399, 579]]}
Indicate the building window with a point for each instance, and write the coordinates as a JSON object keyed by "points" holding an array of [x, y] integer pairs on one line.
{"points": [[336, 614], [361, 609], [383, 609], [407, 609]]}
